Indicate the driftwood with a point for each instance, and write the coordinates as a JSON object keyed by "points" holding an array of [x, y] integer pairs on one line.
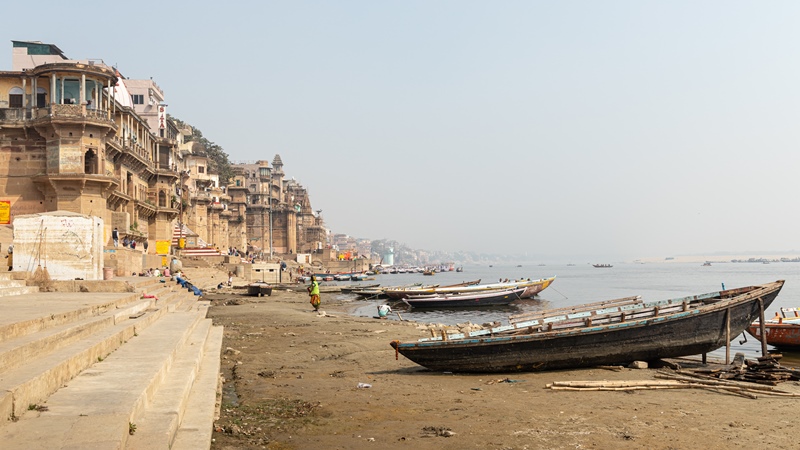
{"points": [[680, 380], [648, 385]]}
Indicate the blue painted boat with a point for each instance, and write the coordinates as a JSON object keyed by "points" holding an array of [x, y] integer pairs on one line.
{"points": [[603, 333]]}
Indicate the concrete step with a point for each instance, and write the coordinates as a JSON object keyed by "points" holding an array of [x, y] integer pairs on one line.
{"points": [[14, 275], [162, 417], [97, 408], [17, 351], [34, 381], [9, 291], [32, 313], [197, 426]]}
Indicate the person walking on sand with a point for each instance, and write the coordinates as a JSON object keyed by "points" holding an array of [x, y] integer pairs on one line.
{"points": [[313, 292]]}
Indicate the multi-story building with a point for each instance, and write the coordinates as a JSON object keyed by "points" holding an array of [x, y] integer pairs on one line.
{"points": [[72, 140], [76, 135], [277, 212]]}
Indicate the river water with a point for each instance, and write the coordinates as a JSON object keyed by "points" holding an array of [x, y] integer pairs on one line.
{"points": [[583, 283]]}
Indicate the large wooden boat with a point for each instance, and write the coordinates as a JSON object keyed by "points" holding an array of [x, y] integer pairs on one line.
{"points": [[783, 331], [611, 332], [469, 300]]}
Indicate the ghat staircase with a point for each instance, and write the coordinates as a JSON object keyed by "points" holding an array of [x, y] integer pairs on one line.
{"points": [[131, 370]]}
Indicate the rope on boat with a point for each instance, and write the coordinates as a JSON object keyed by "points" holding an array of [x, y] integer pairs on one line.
{"points": [[396, 351]]}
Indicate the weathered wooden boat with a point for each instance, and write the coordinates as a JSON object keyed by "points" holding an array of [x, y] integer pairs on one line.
{"points": [[533, 288], [604, 333], [377, 292], [782, 331], [259, 289], [360, 287], [469, 300], [343, 277], [403, 292]]}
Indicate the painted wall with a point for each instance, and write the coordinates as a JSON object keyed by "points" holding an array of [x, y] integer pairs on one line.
{"points": [[69, 245]]}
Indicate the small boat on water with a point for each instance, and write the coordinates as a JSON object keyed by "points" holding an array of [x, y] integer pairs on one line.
{"points": [[706, 264], [402, 292], [533, 287], [782, 331], [603, 333], [490, 298], [602, 266], [376, 292], [360, 287]]}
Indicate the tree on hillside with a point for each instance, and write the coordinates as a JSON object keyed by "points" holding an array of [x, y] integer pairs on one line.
{"points": [[217, 155]]}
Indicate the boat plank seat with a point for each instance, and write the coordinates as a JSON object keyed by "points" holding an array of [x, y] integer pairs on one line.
{"points": [[575, 309], [790, 312], [582, 319]]}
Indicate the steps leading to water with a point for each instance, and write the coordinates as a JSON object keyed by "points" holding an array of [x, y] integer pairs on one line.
{"points": [[82, 370]]}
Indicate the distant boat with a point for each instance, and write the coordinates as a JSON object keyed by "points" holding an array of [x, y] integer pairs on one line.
{"points": [[602, 266], [782, 331], [570, 265], [706, 263]]}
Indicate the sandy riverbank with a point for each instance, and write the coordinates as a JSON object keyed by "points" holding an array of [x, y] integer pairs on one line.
{"points": [[293, 381]]}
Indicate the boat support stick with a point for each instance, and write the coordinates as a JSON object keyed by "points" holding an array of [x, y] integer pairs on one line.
{"points": [[728, 335], [761, 326]]}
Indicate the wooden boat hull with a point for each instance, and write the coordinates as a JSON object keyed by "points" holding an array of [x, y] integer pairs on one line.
{"points": [[401, 293], [259, 290], [784, 335], [465, 301], [682, 333], [537, 287]]}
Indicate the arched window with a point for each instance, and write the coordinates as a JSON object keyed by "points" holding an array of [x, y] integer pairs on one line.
{"points": [[90, 161], [162, 199], [15, 97]]}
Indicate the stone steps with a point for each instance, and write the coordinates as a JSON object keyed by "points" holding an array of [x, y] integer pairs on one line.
{"points": [[81, 370], [101, 403]]}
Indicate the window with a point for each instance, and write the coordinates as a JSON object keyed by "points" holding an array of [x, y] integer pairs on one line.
{"points": [[41, 98], [90, 162], [201, 169], [137, 99], [15, 98]]}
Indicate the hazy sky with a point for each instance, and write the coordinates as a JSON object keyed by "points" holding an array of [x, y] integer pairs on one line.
{"points": [[605, 129]]}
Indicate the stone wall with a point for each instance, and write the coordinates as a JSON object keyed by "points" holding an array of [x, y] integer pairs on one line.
{"points": [[123, 260]]}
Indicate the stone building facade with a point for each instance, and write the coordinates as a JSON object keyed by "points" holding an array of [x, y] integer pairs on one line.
{"points": [[77, 136], [71, 140]]}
